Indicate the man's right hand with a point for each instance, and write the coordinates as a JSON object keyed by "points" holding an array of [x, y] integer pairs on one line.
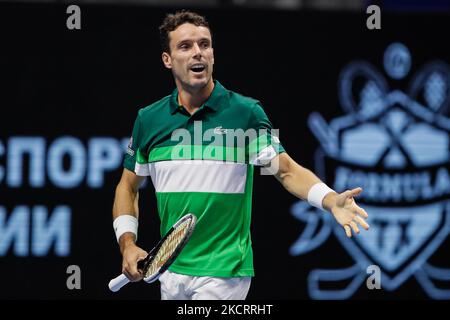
{"points": [[131, 254]]}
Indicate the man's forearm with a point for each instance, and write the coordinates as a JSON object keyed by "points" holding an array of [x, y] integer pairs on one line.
{"points": [[305, 185], [126, 202], [298, 181]]}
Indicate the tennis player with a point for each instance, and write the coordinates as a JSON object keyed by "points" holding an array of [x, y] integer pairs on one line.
{"points": [[211, 181]]}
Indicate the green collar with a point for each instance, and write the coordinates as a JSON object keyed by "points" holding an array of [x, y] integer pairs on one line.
{"points": [[213, 102]]}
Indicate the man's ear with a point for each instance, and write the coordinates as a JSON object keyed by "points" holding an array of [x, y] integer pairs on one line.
{"points": [[212, 56], [167, 60]]}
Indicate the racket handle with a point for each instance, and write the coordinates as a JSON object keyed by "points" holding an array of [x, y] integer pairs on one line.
{"points": [[118, 282]]}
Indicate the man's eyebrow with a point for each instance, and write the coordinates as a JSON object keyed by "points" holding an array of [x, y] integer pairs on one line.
{"points": [[187, 41], [192, 40], [183, 41]]}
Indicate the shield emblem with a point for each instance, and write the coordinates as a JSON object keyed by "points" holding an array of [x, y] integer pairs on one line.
{"points": [[396, 147], [401, 162]]}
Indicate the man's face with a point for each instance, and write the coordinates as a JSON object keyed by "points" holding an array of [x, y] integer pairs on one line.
{"points": [[191, 55]]}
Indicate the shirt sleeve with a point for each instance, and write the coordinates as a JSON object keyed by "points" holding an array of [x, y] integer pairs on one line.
{"points": [[266, 145], [135, 159]]}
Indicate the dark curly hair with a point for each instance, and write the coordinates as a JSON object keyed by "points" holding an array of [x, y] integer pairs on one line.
{"points": [[173, 21]]}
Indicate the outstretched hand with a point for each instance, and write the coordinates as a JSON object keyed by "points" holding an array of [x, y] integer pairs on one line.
{"points": [[348, 214]]}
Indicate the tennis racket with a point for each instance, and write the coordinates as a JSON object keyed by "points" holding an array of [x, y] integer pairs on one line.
{"points": [[163, 254]]}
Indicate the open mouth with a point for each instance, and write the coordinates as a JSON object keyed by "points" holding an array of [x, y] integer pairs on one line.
{"points": [[198, 68]]}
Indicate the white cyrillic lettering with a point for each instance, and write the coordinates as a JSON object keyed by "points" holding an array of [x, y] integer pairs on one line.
{"points": [[17, 147], [2, 170], [56, 230], [55, 165], [15, 231], [105, 154]]}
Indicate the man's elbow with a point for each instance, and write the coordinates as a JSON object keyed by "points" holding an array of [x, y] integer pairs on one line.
{"points": [[286, 167], [124, 187]]}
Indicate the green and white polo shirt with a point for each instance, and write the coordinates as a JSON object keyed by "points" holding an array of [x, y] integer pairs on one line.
{"points": [[203, 164]]}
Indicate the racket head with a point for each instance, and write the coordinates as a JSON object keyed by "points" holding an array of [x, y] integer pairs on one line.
{"points": [[168, 248]]}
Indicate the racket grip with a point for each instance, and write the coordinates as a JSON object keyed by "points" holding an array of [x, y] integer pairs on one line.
{"points": [[118, 282]]}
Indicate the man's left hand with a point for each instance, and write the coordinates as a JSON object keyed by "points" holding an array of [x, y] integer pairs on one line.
{"points": [[348, 214]]}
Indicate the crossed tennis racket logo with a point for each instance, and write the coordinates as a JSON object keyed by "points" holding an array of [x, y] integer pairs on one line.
{"points": [[395, 145]]}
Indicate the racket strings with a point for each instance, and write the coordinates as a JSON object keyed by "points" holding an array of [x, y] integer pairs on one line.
{"points": [[168, 247]]}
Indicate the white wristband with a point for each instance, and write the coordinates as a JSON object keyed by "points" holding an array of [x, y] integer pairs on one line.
{"points": [[317, 193], [125, 223]]}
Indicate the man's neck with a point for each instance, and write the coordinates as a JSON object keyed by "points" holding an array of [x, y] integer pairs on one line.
{"points": [[192, 100]]}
